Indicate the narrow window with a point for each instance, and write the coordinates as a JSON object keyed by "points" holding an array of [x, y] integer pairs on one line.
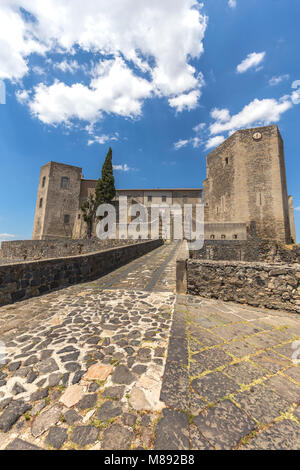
{"points": [[64, 182], [43, 181], [235, 237], [79, 216], [226, 160], [66, 219], [41, 202], [149, 198], [164, 198]]}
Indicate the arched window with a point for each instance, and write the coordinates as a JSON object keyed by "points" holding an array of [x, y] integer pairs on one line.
{"points": [[223, 237], [235, 237], [212, 237]]}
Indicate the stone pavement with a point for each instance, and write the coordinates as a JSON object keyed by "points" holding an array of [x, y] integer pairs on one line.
{"points": [[88, 367], [230, 381]]}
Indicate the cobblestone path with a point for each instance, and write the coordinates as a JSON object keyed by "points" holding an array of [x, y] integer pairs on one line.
{"points": [[117, 364], [85, 364]]}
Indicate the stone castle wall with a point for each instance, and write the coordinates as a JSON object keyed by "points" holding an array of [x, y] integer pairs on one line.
{"points": [[246, 183], [248, 250], [29, 279], [26, 250], [257, 284]]}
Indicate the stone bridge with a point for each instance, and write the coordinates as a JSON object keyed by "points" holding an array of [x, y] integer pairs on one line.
{"points": [[123, 362]]}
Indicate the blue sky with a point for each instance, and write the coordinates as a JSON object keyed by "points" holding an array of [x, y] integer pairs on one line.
{"points": [[162, 83]]}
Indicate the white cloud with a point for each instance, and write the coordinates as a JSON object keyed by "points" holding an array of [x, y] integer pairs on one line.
{"points": [[297, 208], [65, 66], [124, 167], [296, 84], [222, 115], [232, 3], [252, 60], [181, 143], [214, 141], [115, 90], [157, 38], [22, 96], [103, 139], [258, 112], [6, 237], [199, 127], [276, 80], [188, 101]]}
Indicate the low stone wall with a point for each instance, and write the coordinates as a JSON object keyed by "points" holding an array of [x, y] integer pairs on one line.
{"points": [[257, 284], [32, 278], [249, 250], [25, 250]]}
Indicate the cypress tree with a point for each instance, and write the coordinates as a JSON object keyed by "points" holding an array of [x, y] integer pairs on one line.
{"points": [[105, 188]]}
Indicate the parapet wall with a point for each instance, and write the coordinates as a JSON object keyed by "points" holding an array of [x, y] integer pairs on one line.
{"points": [[258, 284], [251, 250], [26, 250], [21, 281]]}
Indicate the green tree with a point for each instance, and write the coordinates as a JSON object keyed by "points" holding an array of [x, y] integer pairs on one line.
{"points": [[105, 188], [88, 209]]}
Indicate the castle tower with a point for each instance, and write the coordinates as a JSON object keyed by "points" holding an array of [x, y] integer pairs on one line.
{"points": [[57, 201], [246, 183]]}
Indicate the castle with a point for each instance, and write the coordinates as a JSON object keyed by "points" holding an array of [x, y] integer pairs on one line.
{"points": [[244, 195]]}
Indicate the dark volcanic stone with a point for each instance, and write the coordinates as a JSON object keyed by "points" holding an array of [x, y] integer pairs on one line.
{"points": [[172, 432], [129, 419], [144, 354], [88, 401], [117, 437], [77, 376], [93, 387], [122, 375], [4, 403], [139, 369], [67, 349], [54, 379], [19, 444], [31, 377], [72, 366], [70, 357], [47, 366], [71, 417], [12, 413], [46, 353], [14, 366], [31, 360], [17, 388], [109, 410], [146, 420], [84, 435], [39, 394], [56, 437], [114, 392]]}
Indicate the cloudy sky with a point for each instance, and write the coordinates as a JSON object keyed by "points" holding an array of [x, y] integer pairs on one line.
{"points": [[161, 82]]}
